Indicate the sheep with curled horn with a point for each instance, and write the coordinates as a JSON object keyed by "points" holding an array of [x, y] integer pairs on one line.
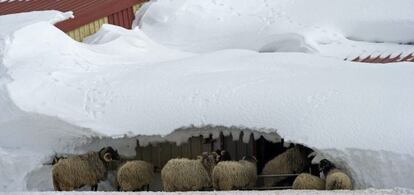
{"points": [[292, 161], [335, 178], [80, 170], [182, 174]]}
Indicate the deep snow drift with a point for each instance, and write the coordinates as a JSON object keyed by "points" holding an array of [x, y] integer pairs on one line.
{"points": [[53, 89], [337, 29]]}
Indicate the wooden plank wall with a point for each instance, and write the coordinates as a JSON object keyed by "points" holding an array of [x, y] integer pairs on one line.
{"points": [[122, 18], [80, 33], [159, 153]]}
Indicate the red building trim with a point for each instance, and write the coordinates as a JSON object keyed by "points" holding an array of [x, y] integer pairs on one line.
{"points": [[85, 11]]}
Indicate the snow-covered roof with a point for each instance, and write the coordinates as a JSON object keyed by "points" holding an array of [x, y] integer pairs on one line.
{"points": [[85, 11], [386, 58], [263, 66]]}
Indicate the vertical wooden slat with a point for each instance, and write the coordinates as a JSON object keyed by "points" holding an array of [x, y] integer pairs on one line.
{"points": [[165, 153], [251, 147], [92, 28], [175, 152], [193, 147], [77, 35], [156, 155], [207, 146], [138, 150], [125, 18], [230, 147], [147, 153], [130, 15], [96, 25], [82, 33], [117, 19], [241, 147], [185, 150], [87, 31]]}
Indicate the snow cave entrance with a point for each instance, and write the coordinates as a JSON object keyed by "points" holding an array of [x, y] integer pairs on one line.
{"points": [[190, 142], [237, 142]]}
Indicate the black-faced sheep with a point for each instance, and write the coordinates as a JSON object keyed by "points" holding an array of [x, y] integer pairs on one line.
{"points": [[306, 181], [293, 160], [235, 175], [223, 155], [80, 170], [335, 178], [188, 175], [135, 175]]}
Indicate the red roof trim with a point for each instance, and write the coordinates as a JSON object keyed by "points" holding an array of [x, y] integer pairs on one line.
{"points": [[98, 11], [85, 11]]}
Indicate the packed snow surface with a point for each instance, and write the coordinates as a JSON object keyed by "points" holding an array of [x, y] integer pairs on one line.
{"points": [[331, 28], [263, 66]]}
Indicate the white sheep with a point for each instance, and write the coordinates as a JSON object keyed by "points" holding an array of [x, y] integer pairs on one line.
{"points": [[293, 160], [306, 181], [135, 175], [188, 175], [234, 175], [87, 169], [335, 178]]}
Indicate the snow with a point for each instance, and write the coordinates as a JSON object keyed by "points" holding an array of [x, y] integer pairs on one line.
{"points": [[331, 28], [267, 67]]}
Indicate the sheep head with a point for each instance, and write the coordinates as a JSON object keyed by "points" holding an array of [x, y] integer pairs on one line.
{"points": [[325, 166], [209, 161], [223, 155], [108, 154]]}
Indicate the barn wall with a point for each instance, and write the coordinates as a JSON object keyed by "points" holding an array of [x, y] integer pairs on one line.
{"points": [[80, 33], [160, 153], [123, 18]]}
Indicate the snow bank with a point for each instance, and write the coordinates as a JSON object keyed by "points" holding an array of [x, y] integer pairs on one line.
{"points": [[27, 139], [325, 103], [306, 26]]}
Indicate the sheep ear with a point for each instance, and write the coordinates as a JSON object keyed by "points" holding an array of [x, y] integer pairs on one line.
{"points": [[107, 157]]}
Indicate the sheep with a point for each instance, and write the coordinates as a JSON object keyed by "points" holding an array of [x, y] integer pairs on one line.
{"points": [[235, 175], [135, 175], [293, 160], [183, 174], [306, 181], [335, 178], [80, 170]]}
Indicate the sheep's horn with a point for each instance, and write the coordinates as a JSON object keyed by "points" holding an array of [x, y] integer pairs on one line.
{"points": [[107, 157]]}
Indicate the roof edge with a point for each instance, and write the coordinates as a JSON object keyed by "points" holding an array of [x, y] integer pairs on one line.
{"points": [[105, 9]]}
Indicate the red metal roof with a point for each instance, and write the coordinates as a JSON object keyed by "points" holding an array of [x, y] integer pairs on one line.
{"points": [[387, 59], [85, 11]]}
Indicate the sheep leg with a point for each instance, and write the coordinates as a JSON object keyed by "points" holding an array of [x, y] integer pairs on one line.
{"points": [[94, 187], [147, 187], [56, 185]]}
